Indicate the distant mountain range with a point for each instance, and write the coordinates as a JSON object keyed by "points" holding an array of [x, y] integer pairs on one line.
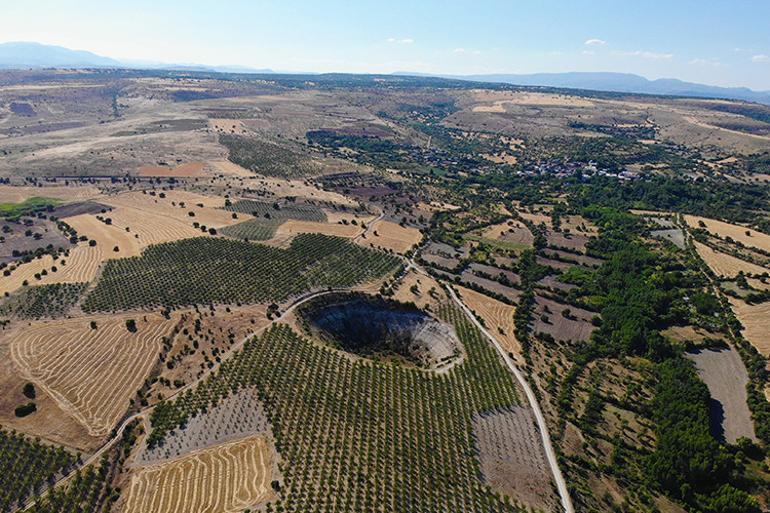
{"points": [[622, 83], [24, 55]]}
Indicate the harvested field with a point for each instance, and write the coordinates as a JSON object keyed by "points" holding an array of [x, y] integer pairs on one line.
{"points": [[512, 457], [756, 239], [235, 417], [754, 319], [186, 170], [293, 227], [578, 224], [149, 228], [91, 373], [388, 235], [575, 327], [178, 206], [691, 334], [25, 273], [224, 479], [497, 316], [726, 265], [725, 375], [107, 237], [17, 194]]}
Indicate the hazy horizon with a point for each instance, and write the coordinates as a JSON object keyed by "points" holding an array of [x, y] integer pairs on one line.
{"points": [[716, 44]]}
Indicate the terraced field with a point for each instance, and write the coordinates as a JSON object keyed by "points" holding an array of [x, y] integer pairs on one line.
{"points": [[223, 479], [90, 373]]}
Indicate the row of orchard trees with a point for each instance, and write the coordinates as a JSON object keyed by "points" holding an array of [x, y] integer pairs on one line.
{"points": [[354, 435]]}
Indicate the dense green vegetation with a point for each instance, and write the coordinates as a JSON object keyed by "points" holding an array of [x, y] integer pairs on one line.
{"points": [[265, 157], [204, 270], [26, 466], [393, 438], [640, 292], [688, 462], [43, 300], [27, 207]]}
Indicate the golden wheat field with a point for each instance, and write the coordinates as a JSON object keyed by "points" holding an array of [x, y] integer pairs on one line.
{"points": [[754, 319], [746, 236], [391, 236], [726, 265], [90, 373], [222, 479], [497, 316], [179, 205]]}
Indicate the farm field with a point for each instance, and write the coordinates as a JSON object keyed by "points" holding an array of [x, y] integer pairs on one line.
{"points": [[206, 302], [498, 317], [754, 320], [91, 373], [389, 236], [726, 265], [726, 378], [746, 236], [223, 479]]}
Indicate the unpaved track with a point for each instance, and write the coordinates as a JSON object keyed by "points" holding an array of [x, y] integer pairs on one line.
{"points": [[561, 485]]}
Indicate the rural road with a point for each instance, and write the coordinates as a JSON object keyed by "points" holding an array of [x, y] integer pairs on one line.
{"points": [[550, 454], [561, 485]]}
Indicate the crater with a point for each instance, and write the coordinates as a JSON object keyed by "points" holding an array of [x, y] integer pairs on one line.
{"points": [[377, 328]]}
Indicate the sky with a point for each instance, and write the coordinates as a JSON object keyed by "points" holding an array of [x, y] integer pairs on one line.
{"points": [[714, 42]]}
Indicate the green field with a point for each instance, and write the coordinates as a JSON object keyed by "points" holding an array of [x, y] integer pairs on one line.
{"points": [[27, 207]]}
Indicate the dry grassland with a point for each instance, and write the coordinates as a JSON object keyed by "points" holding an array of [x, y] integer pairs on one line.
{"points": [[390, 235], [498, 317], [228, 126], [90, 373], [228, 168], [510, 231], [537, 218], [495, 102], [423, 297], [186, 170], [224, 479], [282, 188], [14, 194], [725, 265], [738, 233], [754, 319], [210, 214]]}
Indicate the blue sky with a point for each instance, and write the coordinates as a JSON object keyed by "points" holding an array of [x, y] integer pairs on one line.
{"points": [[710, 41]]}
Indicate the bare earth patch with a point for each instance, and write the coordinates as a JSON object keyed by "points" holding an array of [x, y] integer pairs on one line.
{"points": [[186, 170], [726, 377], [223, 479], [91, 373], [512, 457]]}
